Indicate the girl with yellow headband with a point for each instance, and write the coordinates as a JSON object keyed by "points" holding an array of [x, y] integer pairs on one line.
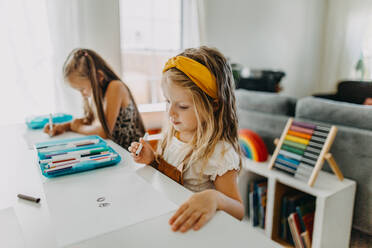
{"points": [[200, 148]]}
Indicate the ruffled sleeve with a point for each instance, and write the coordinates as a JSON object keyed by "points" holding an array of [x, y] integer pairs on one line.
{"points": [[223, 160]]}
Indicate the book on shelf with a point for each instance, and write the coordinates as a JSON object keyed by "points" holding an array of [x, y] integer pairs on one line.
{"points": [[305, 236], [283, 219], [305, 213], [257, 197], [261, 195], [303, 206], [294, 226]]}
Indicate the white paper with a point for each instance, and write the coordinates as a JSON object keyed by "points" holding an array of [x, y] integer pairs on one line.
{"points": [[31, 137], [34, 136], [74, 206], [10, 230]]}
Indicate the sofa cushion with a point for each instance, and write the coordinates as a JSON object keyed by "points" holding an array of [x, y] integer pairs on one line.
{"points": [[334, 112], [265, 102]]}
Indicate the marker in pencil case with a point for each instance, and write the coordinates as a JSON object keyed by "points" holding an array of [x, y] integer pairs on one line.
{"points": [[55, 150], [75, 157], [68, 144], [85, 161], [85, 164], [72, 161], [52, 154], [74, 154]]}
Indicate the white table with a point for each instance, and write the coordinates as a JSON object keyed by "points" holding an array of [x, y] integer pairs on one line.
{"points": [[19, 173]]}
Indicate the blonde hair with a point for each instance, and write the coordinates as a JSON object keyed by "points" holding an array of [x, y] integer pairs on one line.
{"points": [[87, 63], [217, 118]]}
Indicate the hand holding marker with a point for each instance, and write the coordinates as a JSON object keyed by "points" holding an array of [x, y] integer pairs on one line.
{"points": [[141, 145]]}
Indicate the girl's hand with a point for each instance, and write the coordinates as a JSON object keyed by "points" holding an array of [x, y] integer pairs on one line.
{"points": [[76, 124], [197, 211], [147, 154], [57, 129]]}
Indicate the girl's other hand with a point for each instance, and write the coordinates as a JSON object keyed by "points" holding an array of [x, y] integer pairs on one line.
{"points": [[195, 212], [57, 129], [147, 154]]}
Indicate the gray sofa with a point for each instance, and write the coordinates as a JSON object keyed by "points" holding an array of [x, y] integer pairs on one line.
{"points": [[267, 113]]}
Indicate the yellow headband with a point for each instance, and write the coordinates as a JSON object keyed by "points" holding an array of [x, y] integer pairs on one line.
{"points": [[197, 72]]}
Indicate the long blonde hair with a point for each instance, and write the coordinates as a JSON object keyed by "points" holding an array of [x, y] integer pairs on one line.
{"points": [[87, 63], [217, 118]]}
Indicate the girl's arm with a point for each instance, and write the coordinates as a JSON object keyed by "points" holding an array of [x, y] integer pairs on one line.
{"points": [[116, 95], [201, 207], [228, 196], [95, 128]]}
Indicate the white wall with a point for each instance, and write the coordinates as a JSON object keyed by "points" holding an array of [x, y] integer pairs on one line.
{"points": [[100, 29], [270, 34]]}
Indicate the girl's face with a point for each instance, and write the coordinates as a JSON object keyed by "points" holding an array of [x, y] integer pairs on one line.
{"points": [[81, 84], [180, 108]]}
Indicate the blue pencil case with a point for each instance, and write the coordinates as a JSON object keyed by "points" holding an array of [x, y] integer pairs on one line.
{"points": [[68, 156], [37, 122]]}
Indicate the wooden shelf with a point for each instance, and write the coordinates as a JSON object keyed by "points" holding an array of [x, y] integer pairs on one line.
{"points": [[332, 224]]}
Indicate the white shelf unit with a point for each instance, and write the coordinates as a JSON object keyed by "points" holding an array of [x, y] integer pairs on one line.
{"points": [[334, 203]]}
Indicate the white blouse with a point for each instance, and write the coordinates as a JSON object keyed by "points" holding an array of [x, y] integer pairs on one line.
{"points": [[223, 159]]}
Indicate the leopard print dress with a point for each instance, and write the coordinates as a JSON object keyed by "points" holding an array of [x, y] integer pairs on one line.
{"points": [[128, 126]]}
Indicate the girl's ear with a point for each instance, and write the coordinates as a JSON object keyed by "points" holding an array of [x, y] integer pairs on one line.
{"points": [[101, 76]]}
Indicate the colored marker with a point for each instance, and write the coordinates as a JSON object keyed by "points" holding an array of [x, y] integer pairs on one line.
{"points": [[78, 165], [28, 198], [74, 154], [56, 147], [73, 161], [140, 145]]}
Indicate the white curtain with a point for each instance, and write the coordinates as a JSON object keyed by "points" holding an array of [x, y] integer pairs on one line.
{"points": [[25, 61], [36, 39], [346, 25], [193, 23], [64, 18]]}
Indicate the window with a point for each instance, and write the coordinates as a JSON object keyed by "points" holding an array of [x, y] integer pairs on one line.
{"points": [[151, 33]]}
